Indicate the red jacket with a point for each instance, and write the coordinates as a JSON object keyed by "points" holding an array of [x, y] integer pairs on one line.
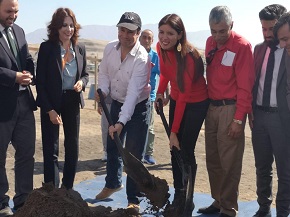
{"points": [[193, 91]]}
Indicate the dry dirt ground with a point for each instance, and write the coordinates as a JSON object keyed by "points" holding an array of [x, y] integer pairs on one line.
{"points": [[90, 153]]}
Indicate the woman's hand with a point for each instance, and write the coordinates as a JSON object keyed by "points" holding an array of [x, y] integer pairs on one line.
{"points": [[173, 141], [78, 86], [156, 104]]}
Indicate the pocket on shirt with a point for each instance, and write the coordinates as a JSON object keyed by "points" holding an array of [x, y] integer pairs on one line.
{"points": [[226, 73]]}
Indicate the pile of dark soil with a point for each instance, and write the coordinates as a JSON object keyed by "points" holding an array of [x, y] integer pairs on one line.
{"points": [[48, 201]]}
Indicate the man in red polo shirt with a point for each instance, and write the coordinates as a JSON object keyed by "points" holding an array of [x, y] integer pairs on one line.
{"points": [[230, 77]]}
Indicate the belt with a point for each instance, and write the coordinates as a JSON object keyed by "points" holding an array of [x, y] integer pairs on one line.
{"points": [[120, 104], [222, 102], [267, 109], [67, 91]]}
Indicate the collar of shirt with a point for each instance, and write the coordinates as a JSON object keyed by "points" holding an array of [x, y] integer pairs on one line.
{"points": [[133, 51], [151, 52], [227, 45], [3, 33], [1, 28], [63, 51]]}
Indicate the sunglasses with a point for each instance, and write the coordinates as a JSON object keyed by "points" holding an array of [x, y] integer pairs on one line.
{"points": [[210, 56]]}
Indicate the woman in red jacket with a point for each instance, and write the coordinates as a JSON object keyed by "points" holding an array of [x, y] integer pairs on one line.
{"points": [[182, 66]]}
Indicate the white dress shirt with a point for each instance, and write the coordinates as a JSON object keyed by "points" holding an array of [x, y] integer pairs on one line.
{"points": [[273, 98], [128, 80]]}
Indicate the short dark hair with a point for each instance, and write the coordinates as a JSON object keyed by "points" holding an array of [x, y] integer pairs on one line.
{"points": [[272, 12], [57, 21], [284, 19]]}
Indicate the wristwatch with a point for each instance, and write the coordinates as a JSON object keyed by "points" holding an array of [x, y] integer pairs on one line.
{"points": [[237, 121]]}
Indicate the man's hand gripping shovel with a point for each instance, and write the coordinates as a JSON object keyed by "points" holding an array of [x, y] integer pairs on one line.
{"points": [[132, 166]]}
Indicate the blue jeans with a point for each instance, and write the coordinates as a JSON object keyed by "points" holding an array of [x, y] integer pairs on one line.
{"points": [[134, 132]]}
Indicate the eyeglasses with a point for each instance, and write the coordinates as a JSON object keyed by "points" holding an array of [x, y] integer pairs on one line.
{"points": [[210, 56]]}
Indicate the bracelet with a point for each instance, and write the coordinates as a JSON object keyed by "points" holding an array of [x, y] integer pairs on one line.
{"points": [[119, 122], [237, 121]]}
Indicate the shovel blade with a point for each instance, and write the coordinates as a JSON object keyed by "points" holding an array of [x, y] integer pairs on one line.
{"points": [[136, 170], [188, 205]]}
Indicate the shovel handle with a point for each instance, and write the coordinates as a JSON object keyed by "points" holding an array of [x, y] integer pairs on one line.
{"points": [[108, 116], [104, 107], [159, 111], [186, 176], [165, 124]]}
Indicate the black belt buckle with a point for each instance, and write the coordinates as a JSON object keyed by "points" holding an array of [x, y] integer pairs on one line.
{"points": [[223, 102]]}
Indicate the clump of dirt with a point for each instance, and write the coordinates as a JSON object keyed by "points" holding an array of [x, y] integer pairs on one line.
{"points": [[48, 201], [158, 195], [101, 211]]}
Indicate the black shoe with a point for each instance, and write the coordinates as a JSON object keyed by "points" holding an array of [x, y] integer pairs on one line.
{"points": [[260, 213], [224, 215], [209, 210]]}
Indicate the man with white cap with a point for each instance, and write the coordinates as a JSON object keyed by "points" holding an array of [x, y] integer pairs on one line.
{"points": [[124, 74]]}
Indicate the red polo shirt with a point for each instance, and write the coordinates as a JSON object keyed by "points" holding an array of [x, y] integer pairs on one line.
{"points": [[231, 73], [193, 91]]}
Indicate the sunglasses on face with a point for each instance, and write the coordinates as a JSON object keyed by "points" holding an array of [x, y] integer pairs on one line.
{"points": [[210, 56]]}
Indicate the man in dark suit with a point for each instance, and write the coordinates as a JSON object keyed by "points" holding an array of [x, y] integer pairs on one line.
{"points": [[17, 123], [282, 33], [271, 118]]}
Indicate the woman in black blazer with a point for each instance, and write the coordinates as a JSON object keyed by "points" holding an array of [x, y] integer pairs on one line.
{"points": [[61, 78]]}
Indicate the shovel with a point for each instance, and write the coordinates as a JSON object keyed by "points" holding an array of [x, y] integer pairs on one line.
{"points": [[186, 170], [132, 166]]}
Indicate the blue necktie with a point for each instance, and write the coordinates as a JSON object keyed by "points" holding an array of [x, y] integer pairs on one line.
{"points": [[13, 47], [269, 77]]}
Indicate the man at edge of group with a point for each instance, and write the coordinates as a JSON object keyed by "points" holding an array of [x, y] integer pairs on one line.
{"points": [[282, 33], [146, 40], [230, 77], [124, 73], [270, 121], [17, 123]]}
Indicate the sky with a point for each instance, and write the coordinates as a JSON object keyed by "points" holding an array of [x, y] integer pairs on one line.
{"points": [[35, 14]]}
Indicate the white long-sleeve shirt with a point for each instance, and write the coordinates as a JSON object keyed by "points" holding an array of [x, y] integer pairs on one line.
{"points": [[127, 80]]}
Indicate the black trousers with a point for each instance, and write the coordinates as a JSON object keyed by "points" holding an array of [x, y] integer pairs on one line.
{"points": [[70, 114], [190, 126], [270, 143], [20, 131]]}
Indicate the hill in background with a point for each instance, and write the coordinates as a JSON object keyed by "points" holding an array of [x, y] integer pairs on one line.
{"points": [[109, 33]]}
